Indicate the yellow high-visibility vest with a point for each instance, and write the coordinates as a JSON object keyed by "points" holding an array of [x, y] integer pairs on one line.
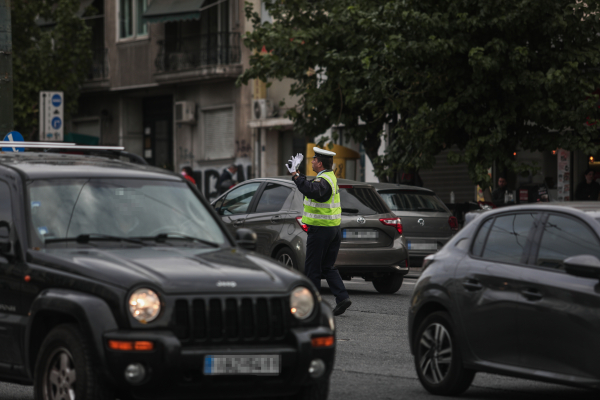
{"points": [[328, 213]]}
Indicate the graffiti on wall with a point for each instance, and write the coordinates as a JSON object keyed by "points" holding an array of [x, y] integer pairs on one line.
{"points": [[243, 148], [207, 176]]}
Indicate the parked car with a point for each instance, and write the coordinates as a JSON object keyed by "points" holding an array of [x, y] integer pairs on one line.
{"points": [[119, 280], [515, 293], [427, 223], [372, 248]]}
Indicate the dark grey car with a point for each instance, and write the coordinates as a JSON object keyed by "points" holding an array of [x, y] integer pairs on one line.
{"points": [[426, 221], [372, 248], [515, 292]]}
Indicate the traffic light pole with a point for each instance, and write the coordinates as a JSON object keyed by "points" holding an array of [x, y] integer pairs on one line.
{"points": [[6, 74]]}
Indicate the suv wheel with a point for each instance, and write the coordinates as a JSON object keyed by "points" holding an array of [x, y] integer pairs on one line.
{"points": [[64, 369], [388, 284], [287, 258], [320, 391], [437, 357]]}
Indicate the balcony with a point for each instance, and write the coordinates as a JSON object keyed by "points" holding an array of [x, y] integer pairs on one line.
{"points": [[97, 78], [195, 57]]}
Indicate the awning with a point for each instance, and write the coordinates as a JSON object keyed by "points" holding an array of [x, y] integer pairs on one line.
{"points": [[173, 10]]}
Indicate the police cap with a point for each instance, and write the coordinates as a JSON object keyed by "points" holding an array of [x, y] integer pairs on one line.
{"points": [[323, 153]]}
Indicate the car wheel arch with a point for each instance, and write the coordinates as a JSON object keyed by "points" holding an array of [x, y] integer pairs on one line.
{"points": [[91, 314]]}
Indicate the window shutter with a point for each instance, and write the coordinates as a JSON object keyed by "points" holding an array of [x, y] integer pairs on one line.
{"points": [[219, 134]]}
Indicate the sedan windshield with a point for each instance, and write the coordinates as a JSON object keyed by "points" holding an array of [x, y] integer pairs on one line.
{"points": [[413, 201], [118, 208]]}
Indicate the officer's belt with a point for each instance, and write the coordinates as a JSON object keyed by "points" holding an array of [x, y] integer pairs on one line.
{"points": [[321, 216], [321, 205]]}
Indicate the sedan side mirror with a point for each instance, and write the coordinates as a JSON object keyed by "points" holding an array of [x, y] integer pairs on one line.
{"points": [[585, 265], [246, 238], [4, 237]]}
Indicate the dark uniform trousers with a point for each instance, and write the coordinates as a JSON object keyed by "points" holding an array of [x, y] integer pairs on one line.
{"points": [[322, 248]]}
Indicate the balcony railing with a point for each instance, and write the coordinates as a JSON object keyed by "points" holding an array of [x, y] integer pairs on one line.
{"points": [[191, 52], [99, 70]]}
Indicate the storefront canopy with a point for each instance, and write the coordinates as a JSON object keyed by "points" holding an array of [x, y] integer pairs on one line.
{"points": [[173, 10]]}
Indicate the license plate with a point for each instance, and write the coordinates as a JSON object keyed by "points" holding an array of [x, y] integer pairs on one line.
{"points": [[421, 246], [359, 234], [242, 365]]}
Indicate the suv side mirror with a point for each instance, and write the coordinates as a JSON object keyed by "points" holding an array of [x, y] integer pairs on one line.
{"points": [[4, 237], [246, 238], [585, 265]]}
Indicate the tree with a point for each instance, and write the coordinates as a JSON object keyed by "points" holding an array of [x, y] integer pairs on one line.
{"points": [[486, 76], [54, 58]]}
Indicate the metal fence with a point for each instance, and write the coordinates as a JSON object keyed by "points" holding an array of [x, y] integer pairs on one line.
{"points": [[194, 51]]}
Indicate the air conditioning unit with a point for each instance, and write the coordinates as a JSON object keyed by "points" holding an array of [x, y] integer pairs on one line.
{"points": [[262, 108], [185, 112]]}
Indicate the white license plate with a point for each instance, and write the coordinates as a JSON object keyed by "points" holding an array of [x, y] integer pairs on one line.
{"points": [[242, 365], [359, 234], [421, 246]]}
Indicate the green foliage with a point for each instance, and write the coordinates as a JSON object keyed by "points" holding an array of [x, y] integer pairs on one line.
{"points": [[53, 58], [488, 76]]}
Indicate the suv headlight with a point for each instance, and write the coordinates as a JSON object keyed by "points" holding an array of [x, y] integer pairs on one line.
{"points": [[144, 305], [302, 302]]}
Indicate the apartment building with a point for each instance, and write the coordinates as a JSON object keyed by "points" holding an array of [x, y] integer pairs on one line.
{"points": [[163, 84]]}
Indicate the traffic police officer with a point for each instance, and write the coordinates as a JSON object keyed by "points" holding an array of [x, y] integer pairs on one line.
{"points": [[323, 215]]}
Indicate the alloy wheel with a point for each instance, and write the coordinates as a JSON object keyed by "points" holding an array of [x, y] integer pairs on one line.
{"points": [[435, 353], [60, 376], [286, 260]]}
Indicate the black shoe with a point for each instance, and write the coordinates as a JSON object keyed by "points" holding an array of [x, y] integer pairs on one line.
{"points": [[341, 306]]}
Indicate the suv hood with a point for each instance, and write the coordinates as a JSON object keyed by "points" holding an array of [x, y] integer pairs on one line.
{"points": [[175, 270]]}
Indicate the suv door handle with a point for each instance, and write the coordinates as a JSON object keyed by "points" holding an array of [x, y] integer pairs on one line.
{"points": [[532, 294], [275, 218], [238, 222], [472, 285]]}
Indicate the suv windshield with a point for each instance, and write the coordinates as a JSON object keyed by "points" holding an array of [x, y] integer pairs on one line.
{"points": [[413, 201], [122, 208], [363, 201]]}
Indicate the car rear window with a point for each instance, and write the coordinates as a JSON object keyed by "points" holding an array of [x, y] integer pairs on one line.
{"points": [[400, 200], [363, 201]]}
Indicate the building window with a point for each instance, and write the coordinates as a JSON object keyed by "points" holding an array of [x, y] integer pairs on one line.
{"points": [[131, 24]]}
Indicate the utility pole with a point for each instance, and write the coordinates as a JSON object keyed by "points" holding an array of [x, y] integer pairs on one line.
{"points": [[6, 75]]}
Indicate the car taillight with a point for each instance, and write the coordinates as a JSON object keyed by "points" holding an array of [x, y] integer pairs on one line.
{"points": [[453, 222], [345, 186], [303, 226], [395, 222]]}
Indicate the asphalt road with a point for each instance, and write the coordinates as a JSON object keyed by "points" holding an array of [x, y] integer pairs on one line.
{"points": [[373, 360]]}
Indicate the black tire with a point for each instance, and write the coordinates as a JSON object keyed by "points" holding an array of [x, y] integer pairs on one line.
{"points": [[286, 257], [438, 360], [389, 284], [65, 365], [319, 391]]}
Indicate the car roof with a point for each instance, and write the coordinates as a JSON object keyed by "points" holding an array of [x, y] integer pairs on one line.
{"points": [[288, 178], [387, 186], [588, 207], [35, 165]]}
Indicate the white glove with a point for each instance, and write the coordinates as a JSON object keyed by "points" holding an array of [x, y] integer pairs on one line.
{"points": [[298, 160], [290, 165]]}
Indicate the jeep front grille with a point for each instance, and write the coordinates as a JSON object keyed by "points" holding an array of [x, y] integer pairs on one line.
{"points": [[229, 319]]}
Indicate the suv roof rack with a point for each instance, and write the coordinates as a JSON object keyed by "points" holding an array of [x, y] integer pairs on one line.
{"points": [[65, 147]]}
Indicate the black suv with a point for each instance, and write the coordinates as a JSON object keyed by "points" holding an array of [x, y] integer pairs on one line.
{"points": [[119, 280]]}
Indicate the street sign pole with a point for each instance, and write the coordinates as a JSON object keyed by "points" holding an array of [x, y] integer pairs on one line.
{"points": [[6, 75]]}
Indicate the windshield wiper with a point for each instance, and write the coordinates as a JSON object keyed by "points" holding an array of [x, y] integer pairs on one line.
{"points": [[85, 238], [162, 237]]}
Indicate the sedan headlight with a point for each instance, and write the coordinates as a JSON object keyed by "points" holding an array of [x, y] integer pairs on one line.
{"points": [[144, 305], [302, 302]]}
